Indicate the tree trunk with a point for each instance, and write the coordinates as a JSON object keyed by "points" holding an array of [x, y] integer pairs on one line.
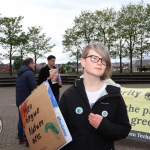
{"points": [[141, 57], [10, 65], [120, 58], [35, 65]]}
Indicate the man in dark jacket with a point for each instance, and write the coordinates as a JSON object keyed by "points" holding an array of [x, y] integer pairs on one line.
{"points": [[46, 74], [25, 84]]}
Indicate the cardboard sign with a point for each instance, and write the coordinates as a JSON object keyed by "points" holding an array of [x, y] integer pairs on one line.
{"points": [[43, 122]]}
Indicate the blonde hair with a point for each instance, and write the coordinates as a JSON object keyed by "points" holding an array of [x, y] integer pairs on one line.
{"points": [[103, 51]]}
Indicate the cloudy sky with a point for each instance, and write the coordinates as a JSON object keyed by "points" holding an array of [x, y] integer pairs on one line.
{"points": [[54, 16]]}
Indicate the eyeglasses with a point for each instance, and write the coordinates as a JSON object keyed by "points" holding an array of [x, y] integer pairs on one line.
{"points": [[95, 59]]}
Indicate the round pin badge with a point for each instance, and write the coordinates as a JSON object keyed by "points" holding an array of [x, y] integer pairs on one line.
{"points": [[79, 110], [1, 125], [104, 113]]}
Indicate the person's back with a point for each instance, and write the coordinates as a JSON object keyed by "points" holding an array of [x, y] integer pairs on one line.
{"points": [[25, 84]]}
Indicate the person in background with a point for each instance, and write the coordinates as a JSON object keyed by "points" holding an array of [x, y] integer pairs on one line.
{"points": [[25, 84], [46, 73], [94, 111], [65, 69]]}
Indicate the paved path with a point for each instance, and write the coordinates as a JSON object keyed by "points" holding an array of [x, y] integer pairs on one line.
{"points": [[9, 115]]}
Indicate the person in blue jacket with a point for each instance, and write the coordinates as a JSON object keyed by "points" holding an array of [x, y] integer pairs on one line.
{"points": [[25, 84], [94, 110]]}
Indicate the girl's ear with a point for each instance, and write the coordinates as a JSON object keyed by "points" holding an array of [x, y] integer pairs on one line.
{"points": [[82, 60]]}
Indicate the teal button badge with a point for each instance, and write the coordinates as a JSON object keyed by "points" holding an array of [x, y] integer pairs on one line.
{"points": [[79, 110], [104, 113]]}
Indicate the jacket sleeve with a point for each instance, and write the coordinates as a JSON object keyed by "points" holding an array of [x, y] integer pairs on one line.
{"points": [[65, 113], [31, 81], [118, 129], [42, 76], [63, 108]]}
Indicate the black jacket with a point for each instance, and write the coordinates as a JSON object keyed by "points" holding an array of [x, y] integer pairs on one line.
{"points": [[25, 84], [43, 75], [114, 126]]}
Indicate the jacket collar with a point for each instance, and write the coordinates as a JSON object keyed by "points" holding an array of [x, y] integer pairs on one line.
{"points": [[80, 88], [111, 89]]}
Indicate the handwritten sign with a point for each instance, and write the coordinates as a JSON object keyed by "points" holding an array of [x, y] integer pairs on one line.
{"points": [[40, 122]]}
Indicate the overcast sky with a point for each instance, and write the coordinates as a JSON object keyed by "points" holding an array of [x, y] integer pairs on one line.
{"points": [[55, 16]]}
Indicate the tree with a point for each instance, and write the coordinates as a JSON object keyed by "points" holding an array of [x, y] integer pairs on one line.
{"points": [[89, 27], [75, 39], [38, 44], [1, 58], [0, 40], [69, 63], [125, 33], [104, 27], [129, 23], [71, 45], [131, 32], [21, 48], [10, 31], [120, 43], [143, 40], [17, 62], [84, 28]]}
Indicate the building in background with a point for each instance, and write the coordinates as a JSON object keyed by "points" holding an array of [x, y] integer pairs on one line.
{"points": [[4, 68], [145, 65], [135, 66]]}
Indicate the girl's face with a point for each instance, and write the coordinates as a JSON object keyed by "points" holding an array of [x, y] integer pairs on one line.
{"points": [[91, 66]]}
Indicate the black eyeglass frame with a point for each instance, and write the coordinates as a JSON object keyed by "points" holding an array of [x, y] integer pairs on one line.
{"points": [[101, 59]]}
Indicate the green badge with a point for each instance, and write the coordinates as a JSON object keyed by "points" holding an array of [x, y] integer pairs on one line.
{"points": [[104, 113], [79, 110]]}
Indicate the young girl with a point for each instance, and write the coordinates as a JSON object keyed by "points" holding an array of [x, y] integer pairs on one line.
{"points": [[94, 111]]}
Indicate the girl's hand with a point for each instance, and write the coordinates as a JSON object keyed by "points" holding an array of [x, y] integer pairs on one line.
{"points": [[95, 120]]}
